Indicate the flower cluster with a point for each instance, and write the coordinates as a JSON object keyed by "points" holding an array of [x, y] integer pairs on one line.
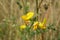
{"points": [[40, 25], [36, 25]]}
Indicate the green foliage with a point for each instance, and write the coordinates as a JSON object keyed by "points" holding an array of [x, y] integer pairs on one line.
{"points": [[18, 3], [58, 36]]}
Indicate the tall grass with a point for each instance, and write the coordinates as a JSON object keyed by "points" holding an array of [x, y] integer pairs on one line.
{"points": [[12, 10]]}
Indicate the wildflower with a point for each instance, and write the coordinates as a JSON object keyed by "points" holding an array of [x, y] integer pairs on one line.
{"points": [[35, 25], [28, 16], [42, 24], [22, 27]]}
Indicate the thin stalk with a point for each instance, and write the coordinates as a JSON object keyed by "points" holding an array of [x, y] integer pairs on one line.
{"points": [[43, 36], [40, 4], [37, 9], [24, 5], [37, 6], [36, 16]]}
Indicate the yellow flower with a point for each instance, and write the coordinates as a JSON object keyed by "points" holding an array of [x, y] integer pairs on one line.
{"points": [[44, 21], [42, 24], [24, 17], [28, 16], [35, 25], [22, 27]]}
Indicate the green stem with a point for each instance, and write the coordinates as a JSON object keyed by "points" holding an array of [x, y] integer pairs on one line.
{"points": [[37, 6], [37, 9], [43, 36]]}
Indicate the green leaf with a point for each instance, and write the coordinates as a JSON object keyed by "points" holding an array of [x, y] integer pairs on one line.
{"points": [[32, 33], [38, 31], [26, 8]]}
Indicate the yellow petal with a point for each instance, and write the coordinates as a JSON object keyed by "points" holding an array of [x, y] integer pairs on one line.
{"points": [[22, 27], [24, 17], [35, 27], [44, 21], [35, 23], [42, 26], [29, 15]]}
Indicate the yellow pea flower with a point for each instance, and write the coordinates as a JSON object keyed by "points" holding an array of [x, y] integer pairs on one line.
{"points": [[35, 25], [28, 16], [24, 17], [42, 24], [22, 27]]}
